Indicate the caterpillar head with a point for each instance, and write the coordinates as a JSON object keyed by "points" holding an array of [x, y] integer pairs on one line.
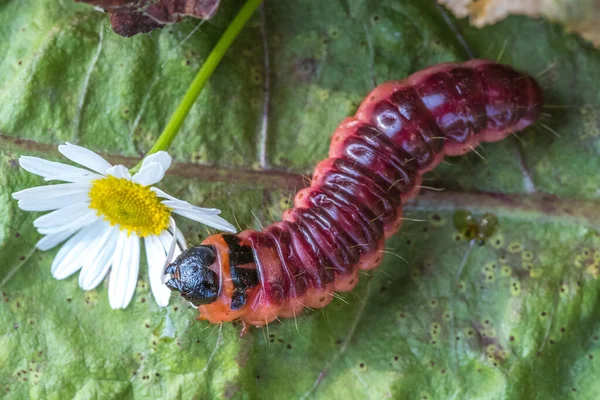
{"points": [[192, 277]]}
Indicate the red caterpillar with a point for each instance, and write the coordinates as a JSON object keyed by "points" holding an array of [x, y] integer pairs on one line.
{"points": [[338, 225]]}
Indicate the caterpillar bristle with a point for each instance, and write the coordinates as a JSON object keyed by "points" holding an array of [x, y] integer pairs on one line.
{"points": [[502, 50], [546, 127]]}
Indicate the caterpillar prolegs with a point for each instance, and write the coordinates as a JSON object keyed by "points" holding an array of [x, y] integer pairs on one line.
{"points": [[339, 224]]}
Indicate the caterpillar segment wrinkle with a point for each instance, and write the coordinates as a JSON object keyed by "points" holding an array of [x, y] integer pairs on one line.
{"points": [[339, 224]]}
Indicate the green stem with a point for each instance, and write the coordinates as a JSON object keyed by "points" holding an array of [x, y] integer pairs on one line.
{"points": [[168, 135]]}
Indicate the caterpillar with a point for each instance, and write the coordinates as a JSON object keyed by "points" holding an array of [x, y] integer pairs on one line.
{"points": [[339, 224]]}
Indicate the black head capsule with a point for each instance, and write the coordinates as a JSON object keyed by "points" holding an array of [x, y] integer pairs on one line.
{"points": [[192, 277]]}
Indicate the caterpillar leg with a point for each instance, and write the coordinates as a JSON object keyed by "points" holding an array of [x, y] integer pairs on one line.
{"points": [[245, 329]]}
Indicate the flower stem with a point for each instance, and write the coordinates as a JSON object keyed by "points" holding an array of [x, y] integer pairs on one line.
{"points": [[168, 134]]}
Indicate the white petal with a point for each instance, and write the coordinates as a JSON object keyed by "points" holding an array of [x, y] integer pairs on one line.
{"points": [[74, 252], [171, 250], [177, 234], [89, 251], [181, 239], [92, 274], [119, 171], [49, 241], [166, 239], [52, 197], [119, 260], [153, 168], [62, 215], [160, 193], [85, 157], [75, 178], [208, 216], [161, 157], [65, 231], [184, 205], [80, 222], [53, 203], [60, 220], [51, 170], [43, 192], [207, 219], [125, 268], [68, 247], [135, 265], [156, 257], [175, 202], [149, 174]]}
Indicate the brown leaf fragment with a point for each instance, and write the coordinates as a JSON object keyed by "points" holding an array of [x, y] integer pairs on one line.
{"points": [[129, 17], [132, 22], [580, 16]]}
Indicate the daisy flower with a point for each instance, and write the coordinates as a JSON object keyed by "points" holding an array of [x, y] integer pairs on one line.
{"points": [[103, 213]]}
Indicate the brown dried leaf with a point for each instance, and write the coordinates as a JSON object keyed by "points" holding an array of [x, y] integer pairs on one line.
{"points": [[580, 16], [129, 17]]}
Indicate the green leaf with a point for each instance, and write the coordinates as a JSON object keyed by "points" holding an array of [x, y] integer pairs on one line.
{"points": [[516, 316]]}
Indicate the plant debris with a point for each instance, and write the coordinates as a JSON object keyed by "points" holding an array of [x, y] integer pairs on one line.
{"points": [[130, 17], [578, 16]]}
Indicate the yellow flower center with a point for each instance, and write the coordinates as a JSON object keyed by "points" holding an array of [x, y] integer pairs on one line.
{"points": [[133, 207]]}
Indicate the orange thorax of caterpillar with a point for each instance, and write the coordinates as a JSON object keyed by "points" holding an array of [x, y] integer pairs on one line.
{"points": [[275, 291], [241, 291], [220, 310]]}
